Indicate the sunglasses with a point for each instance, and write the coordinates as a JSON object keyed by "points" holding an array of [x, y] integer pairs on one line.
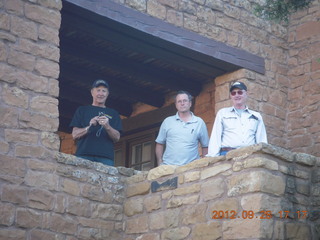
{"points": [[240, 92]]}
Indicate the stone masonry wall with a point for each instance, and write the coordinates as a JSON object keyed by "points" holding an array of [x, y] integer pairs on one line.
{"points": [[258, 192], [68, 199], [29, 68], [304, 74]]}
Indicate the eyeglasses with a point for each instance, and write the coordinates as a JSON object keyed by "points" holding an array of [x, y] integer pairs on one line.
{"points": [[240, 92], [183, 101]]}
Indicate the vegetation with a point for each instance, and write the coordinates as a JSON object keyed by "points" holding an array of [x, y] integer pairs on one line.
{"points": [[280, 10]]}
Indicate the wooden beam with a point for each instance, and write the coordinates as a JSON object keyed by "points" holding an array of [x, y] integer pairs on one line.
{"points": [[139, 71], [155, 46], [216, 53]]}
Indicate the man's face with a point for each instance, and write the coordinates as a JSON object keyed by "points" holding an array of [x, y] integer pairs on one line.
{"points": [[99, 95], [238, 97], [182, 103]]}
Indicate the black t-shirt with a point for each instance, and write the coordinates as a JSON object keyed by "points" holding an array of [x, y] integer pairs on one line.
{"points": [[91, 144]]}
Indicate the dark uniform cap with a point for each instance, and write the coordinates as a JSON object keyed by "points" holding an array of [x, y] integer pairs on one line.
{"points": [[100, 82], [239, 85]]}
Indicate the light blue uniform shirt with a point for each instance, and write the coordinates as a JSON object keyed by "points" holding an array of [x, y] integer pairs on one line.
{"points": [[182, 139], [235, 130]]}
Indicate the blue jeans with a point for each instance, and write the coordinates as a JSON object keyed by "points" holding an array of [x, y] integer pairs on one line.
{"points": [[223, 153], [103, 160]]}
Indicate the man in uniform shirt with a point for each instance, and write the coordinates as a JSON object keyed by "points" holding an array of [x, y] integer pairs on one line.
{"points": [[180, 135], [236, 126]]}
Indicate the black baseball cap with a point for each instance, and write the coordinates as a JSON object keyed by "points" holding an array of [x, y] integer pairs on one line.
{"points": [[100, 82], [239, 85]]}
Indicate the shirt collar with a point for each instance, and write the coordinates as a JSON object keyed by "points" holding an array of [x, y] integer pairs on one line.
{"points": [[193, 118], [233, 109]]}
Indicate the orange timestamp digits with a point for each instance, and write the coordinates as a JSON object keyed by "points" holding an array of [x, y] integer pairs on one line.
{"points": [[232, 214]]}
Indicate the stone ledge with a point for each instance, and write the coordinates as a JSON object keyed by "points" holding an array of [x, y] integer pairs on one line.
{"points": [[80, 162]]}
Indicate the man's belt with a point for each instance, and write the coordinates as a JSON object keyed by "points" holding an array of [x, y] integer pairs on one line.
{"points": [[226, 149]]}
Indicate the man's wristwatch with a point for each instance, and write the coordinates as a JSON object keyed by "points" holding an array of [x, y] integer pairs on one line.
{"points": [[87, 128]]}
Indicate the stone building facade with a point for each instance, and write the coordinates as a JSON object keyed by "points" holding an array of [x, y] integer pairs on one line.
{"points": [[45, 194]]}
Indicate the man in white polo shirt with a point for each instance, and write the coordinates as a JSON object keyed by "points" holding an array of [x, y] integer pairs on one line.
{"points": [[179, 135]]}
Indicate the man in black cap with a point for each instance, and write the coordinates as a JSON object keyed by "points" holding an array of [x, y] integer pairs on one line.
{"points": [[96, 128], [236, 126]]}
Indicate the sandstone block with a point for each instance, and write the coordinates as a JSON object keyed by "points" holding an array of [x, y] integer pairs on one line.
{"points": [[161, 171], [140, 5], [152, 203], [30, 151], [71, 187], [107, 211], [195, 214], [176, 233], [138, 189], [194, 188], [13, 234], [96, 193], [213, 171], [45, 105], [212, 189], [133, 206], [137, 225], [49, 34], [21, 136], [155, 9], [4, 21], [305, 159], [7, 213], [149, 236], [199, 163], [43, 180], [22, 60], [12, 166], [255, 181], [28, 218], [175, 17], [207, 231], [24, 28], [41, 234], [41, 199], [62, 224], [97, 223], [14, 194], [192, 176], [297, 231], [224, 205], [247, 228], [47, 68], [15, 97], [78, 206], [43, 15], [164, 219], [263, 202], [179, 201], [50, 140], [38, 121], [31, 81], [60, 203]]}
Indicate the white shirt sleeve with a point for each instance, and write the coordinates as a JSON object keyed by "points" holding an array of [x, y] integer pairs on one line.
{"points": [[215, 138]]}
